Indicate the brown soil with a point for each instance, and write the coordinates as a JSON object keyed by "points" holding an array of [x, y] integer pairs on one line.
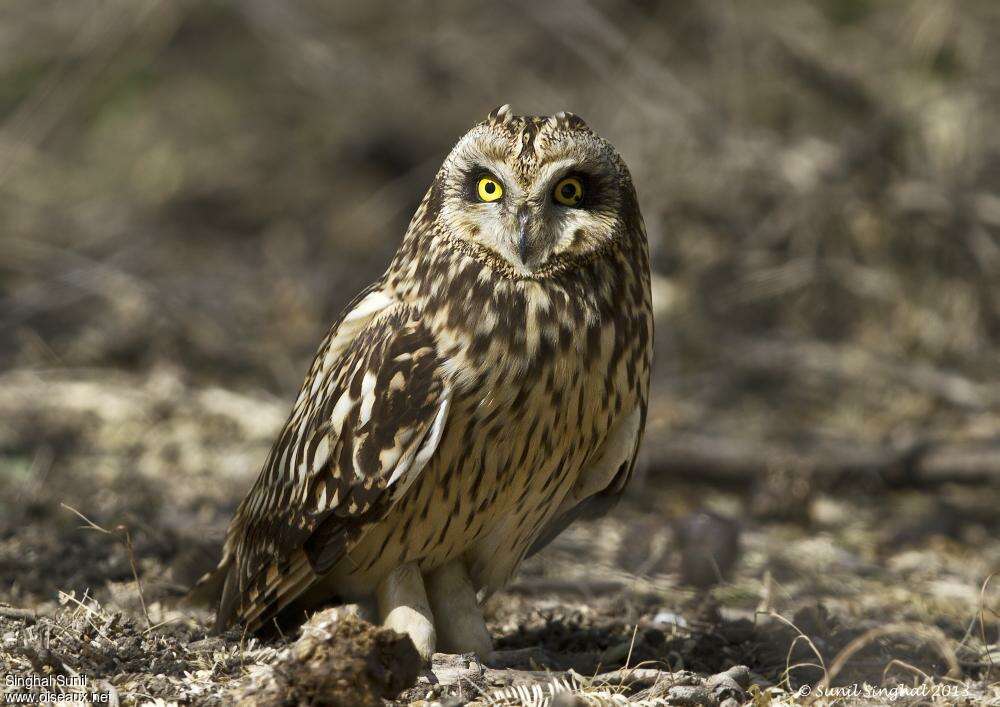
{"points": [[160, 464]]}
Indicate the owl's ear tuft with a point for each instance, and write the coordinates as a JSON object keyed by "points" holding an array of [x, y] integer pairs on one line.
{"points": [[564, 120], [500, 115]]}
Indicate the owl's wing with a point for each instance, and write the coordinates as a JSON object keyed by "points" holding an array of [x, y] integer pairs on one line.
{"points": [[368, 418], [602, 481]]}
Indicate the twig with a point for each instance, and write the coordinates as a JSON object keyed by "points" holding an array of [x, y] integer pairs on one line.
{"points": [[90, 614], [982, 623], [906, 666], [27, 615], [788, 658], [90, 524], [642, 677], [135, 573], [631, 645], [126, 537]]}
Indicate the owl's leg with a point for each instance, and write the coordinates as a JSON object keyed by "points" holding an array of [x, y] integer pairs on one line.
{"points": [[460, 624], [403, 607]]}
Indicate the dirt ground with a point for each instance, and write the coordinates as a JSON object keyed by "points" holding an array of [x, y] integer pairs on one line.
{"points": [[868, 583]]}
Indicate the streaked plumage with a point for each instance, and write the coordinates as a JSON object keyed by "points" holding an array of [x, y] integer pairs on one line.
{"points": [[488, 388]]}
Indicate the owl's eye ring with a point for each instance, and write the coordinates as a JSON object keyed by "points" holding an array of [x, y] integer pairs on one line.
{"points": [[488, 189], [568, 192]]}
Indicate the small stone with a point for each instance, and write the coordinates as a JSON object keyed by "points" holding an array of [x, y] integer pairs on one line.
{"points": [[691, 696], [567, 699], [709, 546], [738, 674], [723, 686], [669, 618]]}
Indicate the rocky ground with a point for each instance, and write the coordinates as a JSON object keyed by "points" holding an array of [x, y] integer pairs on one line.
{"points": [[116, 491]]}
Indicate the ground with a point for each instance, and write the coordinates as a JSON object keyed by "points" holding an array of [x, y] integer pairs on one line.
{"points": [[119, 488]]}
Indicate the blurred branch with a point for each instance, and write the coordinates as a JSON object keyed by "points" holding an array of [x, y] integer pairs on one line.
{"points": [[75, 275], [602, 45], [855, 363], [841, 89], [740, 461]]}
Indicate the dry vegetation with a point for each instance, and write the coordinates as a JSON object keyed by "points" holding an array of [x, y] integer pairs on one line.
{"points": [[189, 192]]}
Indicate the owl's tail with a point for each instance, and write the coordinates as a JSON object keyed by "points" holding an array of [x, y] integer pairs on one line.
{"points": [[208, 589]]}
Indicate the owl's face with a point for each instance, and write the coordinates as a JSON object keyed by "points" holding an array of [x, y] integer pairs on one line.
{"points": [[537, 192]]}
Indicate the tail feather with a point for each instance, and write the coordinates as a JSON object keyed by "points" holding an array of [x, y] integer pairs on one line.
{"points": [[254, 606], [208, 588]]}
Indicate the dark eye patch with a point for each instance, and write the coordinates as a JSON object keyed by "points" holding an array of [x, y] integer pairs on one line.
{"points": [[592, 188], [471, 180]]}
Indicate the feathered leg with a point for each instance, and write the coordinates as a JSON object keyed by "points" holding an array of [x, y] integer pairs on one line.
{"points": [[460, 624], [403, 607]]}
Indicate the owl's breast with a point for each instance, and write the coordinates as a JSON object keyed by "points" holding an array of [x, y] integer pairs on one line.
{"points": [[539, 373], [531, 406]]}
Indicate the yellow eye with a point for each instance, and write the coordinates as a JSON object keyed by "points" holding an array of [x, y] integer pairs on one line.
{"points": [[488, 189], [569, 192]]}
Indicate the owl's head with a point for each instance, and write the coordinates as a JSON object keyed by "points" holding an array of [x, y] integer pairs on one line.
{"points": [[539, 193]]}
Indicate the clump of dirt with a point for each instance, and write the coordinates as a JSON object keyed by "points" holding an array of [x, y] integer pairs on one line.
{"points": [[338, 660]]}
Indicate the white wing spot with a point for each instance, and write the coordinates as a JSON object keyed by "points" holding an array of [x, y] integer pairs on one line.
{"points": [[340, 411], [408, 468], [354, 321], [367, 397], [322, 453]]}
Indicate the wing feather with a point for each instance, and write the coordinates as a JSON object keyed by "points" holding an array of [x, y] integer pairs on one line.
{"points": [[367, 420]]}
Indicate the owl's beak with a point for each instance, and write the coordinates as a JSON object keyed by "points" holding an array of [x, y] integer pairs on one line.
{"points": [[523, 227], [532, 242]]}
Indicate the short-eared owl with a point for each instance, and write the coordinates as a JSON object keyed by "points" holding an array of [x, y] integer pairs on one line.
{"points": [[489, 388]]}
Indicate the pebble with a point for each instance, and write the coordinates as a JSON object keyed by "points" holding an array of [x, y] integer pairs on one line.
{"points": [[709, 546], [691, 696], [669, 618], [568, 699]]}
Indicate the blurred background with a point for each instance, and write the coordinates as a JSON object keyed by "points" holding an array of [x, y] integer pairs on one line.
{"points": [[189, 193]]}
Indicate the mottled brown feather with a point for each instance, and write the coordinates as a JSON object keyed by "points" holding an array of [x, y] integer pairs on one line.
{"points": [[293, 527]]}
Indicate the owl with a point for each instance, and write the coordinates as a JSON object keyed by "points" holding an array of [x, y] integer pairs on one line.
{"points": [[485, 391]]}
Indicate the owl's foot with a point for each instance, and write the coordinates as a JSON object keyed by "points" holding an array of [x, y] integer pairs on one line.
{"points": [[403, 607], [459, 620]]}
